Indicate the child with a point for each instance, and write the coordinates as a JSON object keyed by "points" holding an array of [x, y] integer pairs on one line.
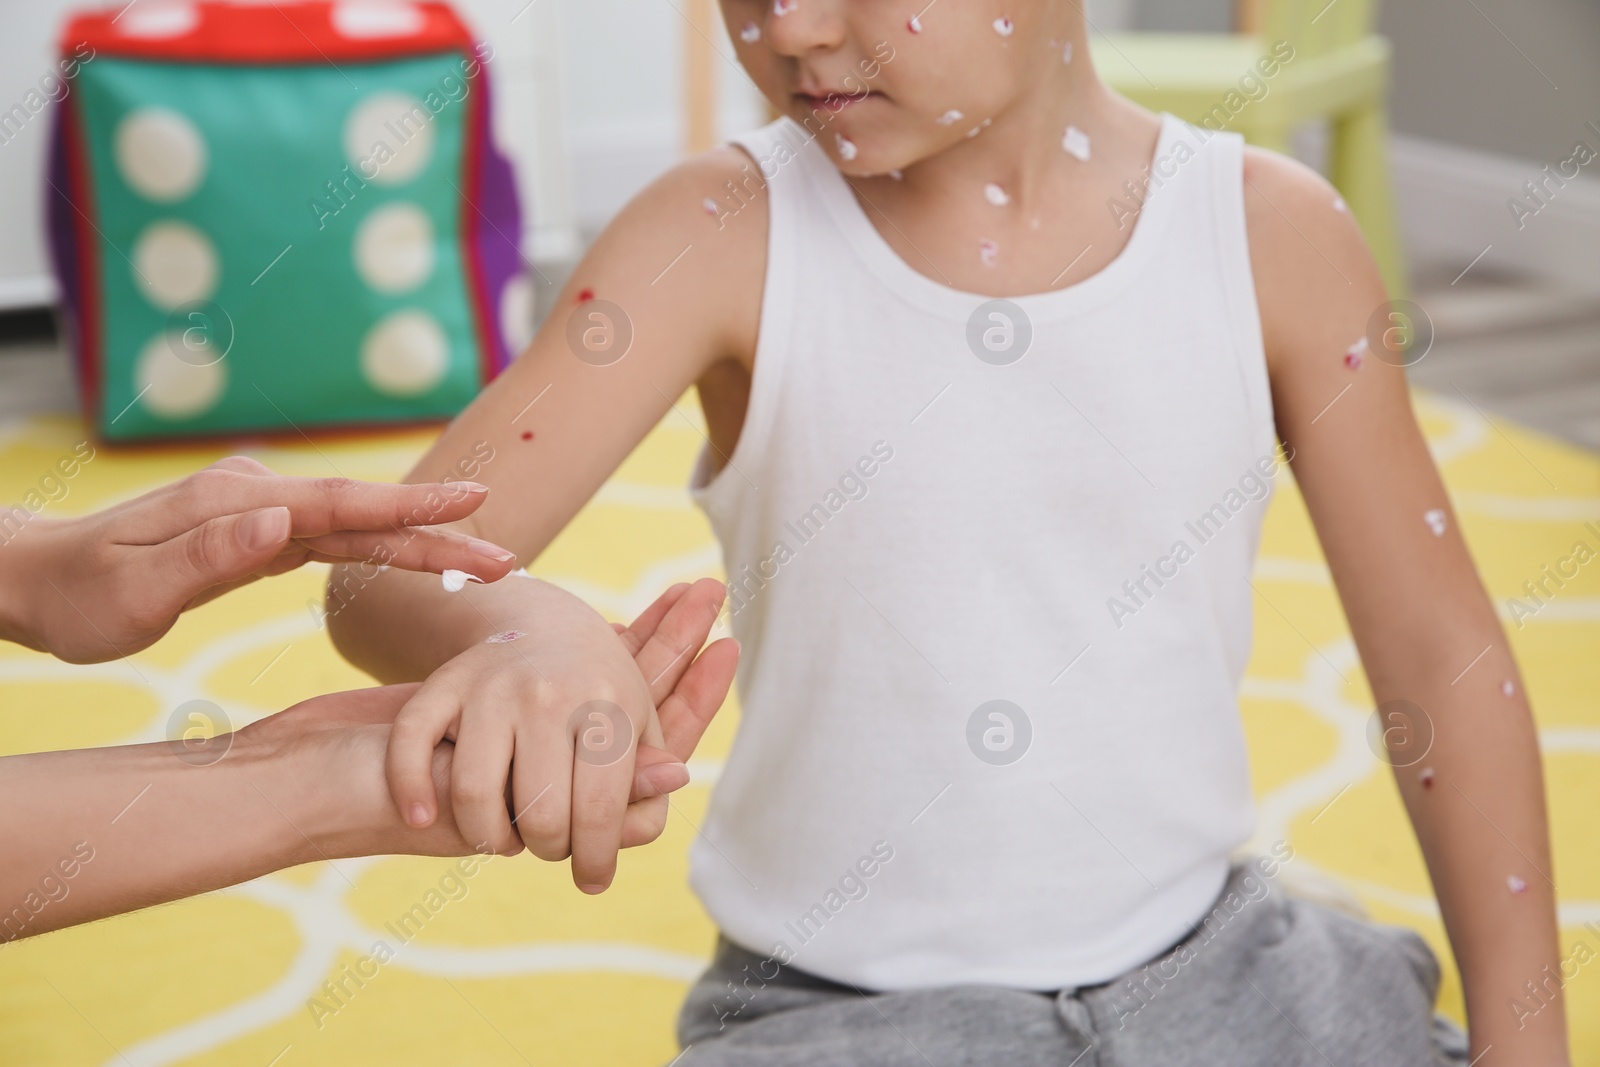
{"points": [[995, 365]]}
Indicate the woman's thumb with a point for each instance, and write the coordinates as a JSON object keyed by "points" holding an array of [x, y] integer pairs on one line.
{"points": [[227, 548]]}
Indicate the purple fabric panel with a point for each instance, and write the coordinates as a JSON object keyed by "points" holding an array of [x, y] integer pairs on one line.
{"points": [[498, 233], [60, 234]]}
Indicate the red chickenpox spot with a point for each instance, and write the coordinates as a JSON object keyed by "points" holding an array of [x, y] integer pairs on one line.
{"points": [[527, 435], [585, 296]]}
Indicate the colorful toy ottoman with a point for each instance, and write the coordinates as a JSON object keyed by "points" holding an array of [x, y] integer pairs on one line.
{"points": [[282, 216]]}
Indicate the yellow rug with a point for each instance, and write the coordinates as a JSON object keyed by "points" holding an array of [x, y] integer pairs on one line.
{"points": [[523, 969]]}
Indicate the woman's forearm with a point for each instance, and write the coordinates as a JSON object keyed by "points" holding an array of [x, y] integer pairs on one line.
{"points": [[98, 832]]}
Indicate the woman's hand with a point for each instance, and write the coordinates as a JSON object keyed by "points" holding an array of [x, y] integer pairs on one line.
{"points": [[105, 585]]}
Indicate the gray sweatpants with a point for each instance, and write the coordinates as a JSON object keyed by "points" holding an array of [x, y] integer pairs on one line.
{"points": [[1279, 981]]}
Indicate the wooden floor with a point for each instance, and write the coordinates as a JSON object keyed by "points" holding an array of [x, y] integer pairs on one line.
{"points": [[1512, 346]]}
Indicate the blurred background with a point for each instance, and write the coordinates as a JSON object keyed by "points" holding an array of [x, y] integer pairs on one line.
{"points": [[1458, 128], [596, 98]]}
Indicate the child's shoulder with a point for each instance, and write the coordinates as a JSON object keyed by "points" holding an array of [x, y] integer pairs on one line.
{"points": [[705, 193], [1279, 189], [1315, 277], [685, 264]]}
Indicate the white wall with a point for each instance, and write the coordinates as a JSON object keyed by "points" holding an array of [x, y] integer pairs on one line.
{"points": [[27, 52], [589, 103], [624, 78]]}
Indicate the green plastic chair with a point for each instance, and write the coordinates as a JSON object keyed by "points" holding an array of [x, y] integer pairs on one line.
{"points": [[1339, 72]]}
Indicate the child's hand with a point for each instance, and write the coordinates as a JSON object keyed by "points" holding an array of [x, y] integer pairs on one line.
{"points": [[94, 588], [547, 726]]}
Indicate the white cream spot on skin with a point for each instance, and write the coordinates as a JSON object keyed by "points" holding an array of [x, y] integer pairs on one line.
{"points": [[1506, 688], [995, 195], [1435, 518], [1516, 885], [914, 24], [1003, 26], [1425, 776], [1066, 53], [750, 34], [950, 118], [783, 7], [454, 581], [711, 207], [896, 175], [1340, 206], [987, 251], [847, 147], [1076, 143], [504, 637]]}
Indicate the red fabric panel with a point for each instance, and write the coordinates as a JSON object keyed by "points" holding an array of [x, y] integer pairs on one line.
{"points": [[285, 32]]}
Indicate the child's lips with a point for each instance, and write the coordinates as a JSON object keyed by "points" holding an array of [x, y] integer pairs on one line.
{"points": [[834, 102]]}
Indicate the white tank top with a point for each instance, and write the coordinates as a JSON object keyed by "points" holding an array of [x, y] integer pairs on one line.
{"points": [[917, 523]]}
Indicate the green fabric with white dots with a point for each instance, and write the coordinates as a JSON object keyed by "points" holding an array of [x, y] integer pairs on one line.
{"points": [[238, 290]]}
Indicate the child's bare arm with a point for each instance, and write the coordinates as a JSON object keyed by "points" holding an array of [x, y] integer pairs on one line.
{"points": [[1418, 611], [686, 286]]}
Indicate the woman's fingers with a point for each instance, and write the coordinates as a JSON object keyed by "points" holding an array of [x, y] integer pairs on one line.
{"points": [[324, 505], [645, 821], [319, 505], [667, 653], [433, 549], [656, 772], [635, 634], [242, 465], [424, 721], [693, 703], [235, 521], [216, 552]]}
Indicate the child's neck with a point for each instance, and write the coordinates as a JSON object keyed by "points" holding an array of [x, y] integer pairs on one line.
{"points": [[1049, 197]]}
